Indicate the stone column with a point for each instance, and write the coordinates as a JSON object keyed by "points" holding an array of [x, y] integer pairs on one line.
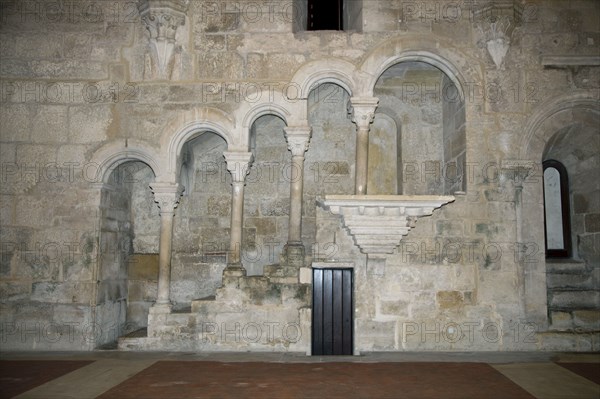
{"points": [[363, 112], [167, 196], [238, 164], [298, 138]]}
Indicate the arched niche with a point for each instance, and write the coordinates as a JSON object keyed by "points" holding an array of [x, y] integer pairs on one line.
{"points": [[431, 149], [266, 194], [202, 218], [128, 226]]}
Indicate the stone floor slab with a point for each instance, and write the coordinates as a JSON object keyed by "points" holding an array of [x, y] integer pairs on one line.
{"points": [[549, 381]]}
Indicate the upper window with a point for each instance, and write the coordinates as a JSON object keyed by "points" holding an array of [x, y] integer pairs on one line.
{"points": [[325, 15], [332, 15], [556, 210]]}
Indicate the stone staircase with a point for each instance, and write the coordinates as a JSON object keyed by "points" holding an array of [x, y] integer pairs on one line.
{"points": [[573, 296], [262, 313]]}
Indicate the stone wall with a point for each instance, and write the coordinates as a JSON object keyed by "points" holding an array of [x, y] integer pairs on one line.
{"points": [[83, 89]]}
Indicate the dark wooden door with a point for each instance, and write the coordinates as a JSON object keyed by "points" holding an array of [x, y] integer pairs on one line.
{"points": [[332, 312]]}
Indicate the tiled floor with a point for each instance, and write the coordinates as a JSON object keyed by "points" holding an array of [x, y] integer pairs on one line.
{"points": [[121, 375]]}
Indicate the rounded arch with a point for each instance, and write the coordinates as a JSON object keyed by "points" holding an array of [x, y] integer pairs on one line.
{"points": [[190, 124], [549, 117], [265, 109], [432, 50], [331, 70], [108, 157]]}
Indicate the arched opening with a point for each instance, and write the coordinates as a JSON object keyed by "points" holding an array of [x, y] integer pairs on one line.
{"points": [[266, 196], [428, 140], [575, 148], [329, 167], [571, 199], [128, 264], [202, 220]]}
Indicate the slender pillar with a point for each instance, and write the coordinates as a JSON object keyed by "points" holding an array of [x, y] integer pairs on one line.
{"points": [[298, 138], [167, 196], [363, 112], [238, 164]]}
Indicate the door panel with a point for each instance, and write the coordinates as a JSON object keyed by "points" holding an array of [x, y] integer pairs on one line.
{"points": [[332, 327]]}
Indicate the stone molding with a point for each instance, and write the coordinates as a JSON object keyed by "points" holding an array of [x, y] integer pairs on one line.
{"points": [[167, 196], [563, 61], [238, 164], [362, 110], [162, 19], [379, 222], [298, 139]]}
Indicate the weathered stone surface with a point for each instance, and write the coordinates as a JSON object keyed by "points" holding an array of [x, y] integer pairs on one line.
{"points": [[454, 117]]}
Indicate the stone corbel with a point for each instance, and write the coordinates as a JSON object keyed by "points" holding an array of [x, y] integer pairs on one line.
{"points": [[238, 164], [167, 195], [162, 19], [495, 22]]}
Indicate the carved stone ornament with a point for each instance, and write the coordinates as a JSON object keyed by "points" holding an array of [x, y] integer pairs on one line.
{"points": [[495, 22], [166, 195], [362, 110], [162, 18], [238, 164], [379, 222], [298, 139]]}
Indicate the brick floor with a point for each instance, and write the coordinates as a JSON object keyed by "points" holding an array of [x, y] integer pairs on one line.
{"points": [[122, 375]]}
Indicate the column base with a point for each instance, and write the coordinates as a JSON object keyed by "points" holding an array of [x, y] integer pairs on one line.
{"points": [[234, 270], [293, 254], [159, 308]]}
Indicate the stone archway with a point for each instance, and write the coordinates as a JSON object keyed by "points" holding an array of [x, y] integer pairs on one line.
{"points": [[544, 139]]}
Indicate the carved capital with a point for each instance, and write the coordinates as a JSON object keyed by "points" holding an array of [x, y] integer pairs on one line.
{"points": [[518, 170], [238, 164], [298, 138], [362, 110], [167, 196]]}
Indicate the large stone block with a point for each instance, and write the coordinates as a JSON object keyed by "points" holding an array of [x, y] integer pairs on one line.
{"points": [[143, 267]]}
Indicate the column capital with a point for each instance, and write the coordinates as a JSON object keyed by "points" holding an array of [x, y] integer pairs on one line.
{"points": [[166, 195], [238, 164], [363, 110], [298, 138]]}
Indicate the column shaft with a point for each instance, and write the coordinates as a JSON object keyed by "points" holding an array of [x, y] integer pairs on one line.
{"points": [[164, 260], [237, 211], [238, 164], [363, 112], [296, 187], [167, 196], [362, 161]]}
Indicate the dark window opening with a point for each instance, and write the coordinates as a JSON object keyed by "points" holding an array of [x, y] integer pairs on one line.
{"points": [[557, 213], [325, 15]]}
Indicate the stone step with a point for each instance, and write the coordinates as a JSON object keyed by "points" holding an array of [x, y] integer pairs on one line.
{"points": [[567, 266], [576, 320], [570, 280], [574, 299], [561, 341]]}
